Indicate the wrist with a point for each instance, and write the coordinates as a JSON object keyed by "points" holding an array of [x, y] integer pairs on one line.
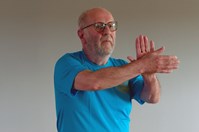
{"points": [[149, 76], [140, 67]]}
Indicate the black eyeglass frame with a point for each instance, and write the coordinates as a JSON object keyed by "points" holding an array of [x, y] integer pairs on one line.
{"points": [[104, 25]]}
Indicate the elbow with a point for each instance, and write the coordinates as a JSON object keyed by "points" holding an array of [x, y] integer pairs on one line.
{"points": [[87, 82], [96, 86], [89, 87], [92, 85], [153, 99]]}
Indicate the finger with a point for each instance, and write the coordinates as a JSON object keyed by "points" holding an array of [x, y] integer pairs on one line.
{"points": [[165, 71], [138, 48], [130, 58], [159, 51], [142, 45], [170, 62], [152, 46], [169, 59], [146, 44], [169, 66]]}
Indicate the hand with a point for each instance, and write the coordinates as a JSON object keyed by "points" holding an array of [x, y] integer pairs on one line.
{"points": [[151, 60], [142, 46]]}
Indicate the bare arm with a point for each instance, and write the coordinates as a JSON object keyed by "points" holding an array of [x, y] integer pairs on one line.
{"points": [[148, 64], [151, 90], [107, 77]]}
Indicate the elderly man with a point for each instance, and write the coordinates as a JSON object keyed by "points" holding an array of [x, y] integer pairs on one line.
{"points": [[94, 91]]}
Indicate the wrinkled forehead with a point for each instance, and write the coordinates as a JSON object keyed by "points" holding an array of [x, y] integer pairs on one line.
{"points": [[95, 15], [99, 15]]}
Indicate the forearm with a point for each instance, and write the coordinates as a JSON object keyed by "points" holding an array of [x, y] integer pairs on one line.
{"points": [[151, 90], [107, 77]]}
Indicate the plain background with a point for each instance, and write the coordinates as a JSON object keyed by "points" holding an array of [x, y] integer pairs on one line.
{"points": [[35, 33]]}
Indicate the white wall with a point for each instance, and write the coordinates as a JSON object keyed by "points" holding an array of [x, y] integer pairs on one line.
{"points": [[35, 33]]}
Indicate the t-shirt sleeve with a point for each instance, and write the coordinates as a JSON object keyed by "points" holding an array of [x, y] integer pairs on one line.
{"points": [[66, 69], [136, 85]]}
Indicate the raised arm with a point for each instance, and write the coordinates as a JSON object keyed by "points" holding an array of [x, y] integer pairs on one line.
{"points": [[107, 77], [148, 64], [151, 90]]}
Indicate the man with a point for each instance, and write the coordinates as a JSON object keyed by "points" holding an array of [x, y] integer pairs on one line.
{"points": [[93, 90]]}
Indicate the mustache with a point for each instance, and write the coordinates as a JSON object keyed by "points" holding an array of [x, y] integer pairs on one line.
{"points": [[107, 39]]}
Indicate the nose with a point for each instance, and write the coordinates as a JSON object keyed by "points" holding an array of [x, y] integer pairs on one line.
{"points": [[106, 30]]}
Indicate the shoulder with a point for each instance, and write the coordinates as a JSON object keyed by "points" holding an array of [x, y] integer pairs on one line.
{"points": [[70, 59], [75, 56]]}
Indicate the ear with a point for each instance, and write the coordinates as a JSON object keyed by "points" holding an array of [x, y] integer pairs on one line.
{"points": [[81, 36], [80, 33]]}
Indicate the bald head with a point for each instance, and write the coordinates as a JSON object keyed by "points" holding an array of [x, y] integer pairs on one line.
{"points": [[87, 15]]}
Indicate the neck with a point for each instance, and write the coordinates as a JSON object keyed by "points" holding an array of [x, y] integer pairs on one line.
{"points": [[97, 59]]}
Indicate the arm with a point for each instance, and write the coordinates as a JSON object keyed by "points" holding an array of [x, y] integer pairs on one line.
{"points": [[152, 62], [151, 90], [107, 77]]}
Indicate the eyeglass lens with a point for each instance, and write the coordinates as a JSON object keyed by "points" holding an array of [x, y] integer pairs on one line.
{"points": [[101, 26]]}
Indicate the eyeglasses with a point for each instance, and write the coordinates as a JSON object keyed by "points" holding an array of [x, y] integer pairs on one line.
{"points": [[100, 26]]}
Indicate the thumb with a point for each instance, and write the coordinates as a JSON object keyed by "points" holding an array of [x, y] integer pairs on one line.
{"points": [[159, 51], [130, 58]]}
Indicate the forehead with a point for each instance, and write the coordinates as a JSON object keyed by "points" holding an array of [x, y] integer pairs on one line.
{"points": [[99, 15]]}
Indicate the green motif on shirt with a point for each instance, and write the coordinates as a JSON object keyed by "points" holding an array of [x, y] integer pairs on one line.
{"points": [[123, 87]]}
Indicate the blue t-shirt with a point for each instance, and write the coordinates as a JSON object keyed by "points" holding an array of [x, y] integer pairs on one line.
{"points": [[105, 110]]}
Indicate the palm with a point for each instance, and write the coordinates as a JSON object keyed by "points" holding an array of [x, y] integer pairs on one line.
{"points": [[142, 46]]}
